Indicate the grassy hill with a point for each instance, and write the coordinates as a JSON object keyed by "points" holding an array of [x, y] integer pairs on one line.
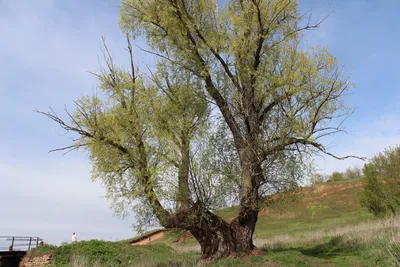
{"points": [[327, 205], [326, 226]]}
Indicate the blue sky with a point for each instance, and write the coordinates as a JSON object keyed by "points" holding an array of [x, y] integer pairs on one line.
{"points": [[47, 48]]}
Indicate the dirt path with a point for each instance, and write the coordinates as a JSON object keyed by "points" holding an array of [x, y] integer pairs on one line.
{"points": [[150, 238]]}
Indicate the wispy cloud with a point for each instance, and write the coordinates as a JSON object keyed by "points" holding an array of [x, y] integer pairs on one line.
{"points": [[52, 198], [47, 51], [367, 141]]}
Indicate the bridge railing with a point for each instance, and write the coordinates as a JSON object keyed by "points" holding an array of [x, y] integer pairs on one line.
{"points": [[19, 243]]}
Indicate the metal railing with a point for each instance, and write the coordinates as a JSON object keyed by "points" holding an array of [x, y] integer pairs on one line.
{"points": [[19, 243]]}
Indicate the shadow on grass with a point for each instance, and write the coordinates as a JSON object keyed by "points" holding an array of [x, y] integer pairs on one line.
{"points": [[327, 251], [335, 247]]}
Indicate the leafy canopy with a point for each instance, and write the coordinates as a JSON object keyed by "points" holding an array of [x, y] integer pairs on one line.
{"points": [[270, 92]]}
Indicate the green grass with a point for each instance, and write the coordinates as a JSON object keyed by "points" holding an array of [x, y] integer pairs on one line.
{"points": [[295, 220], [118, 254], [339, 234], [328, 251], [341, 204], [340, 250], [295, 217]]}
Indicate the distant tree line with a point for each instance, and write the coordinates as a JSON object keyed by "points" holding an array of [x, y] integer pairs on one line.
{"points": [[351, 173]]}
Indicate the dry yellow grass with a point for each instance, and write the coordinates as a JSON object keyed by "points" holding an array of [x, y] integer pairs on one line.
{"points": [[186, 248], [361, 233]]}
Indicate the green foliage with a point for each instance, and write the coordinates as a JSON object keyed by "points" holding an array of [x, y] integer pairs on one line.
{"points": [[382, 176], [243, 45], [337, 176], [276, 98], [101, 253], [139, 132], [95, 251], [373, 196]]}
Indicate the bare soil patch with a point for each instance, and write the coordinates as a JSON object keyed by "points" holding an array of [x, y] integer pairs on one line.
{"points": [[149, 238]]}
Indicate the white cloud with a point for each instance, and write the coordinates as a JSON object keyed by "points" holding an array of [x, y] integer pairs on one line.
{"points": [[46, 52], [52, 197], [366, 142], [35, 39]]}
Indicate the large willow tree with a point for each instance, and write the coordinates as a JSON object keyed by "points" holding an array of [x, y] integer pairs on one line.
{"points": [[275, 96], [155, 143]]}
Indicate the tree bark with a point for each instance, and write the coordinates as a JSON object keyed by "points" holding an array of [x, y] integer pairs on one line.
{"points": [[252, 175], [183, 197], [216, 237], [244, 227]]}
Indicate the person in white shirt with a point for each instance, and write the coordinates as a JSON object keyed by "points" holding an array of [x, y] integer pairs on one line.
{"points": [[74, 238]]}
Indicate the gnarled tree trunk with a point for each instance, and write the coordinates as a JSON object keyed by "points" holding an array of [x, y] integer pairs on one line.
{"points": [[216, 237], [243, 228]]}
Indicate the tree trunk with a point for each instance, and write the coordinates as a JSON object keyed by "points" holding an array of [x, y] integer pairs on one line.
{"points": [[216, 237], [183, 197], [244, 225]]}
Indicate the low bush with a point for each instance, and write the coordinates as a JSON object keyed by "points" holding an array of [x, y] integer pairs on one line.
{"points": [[382, 190], [102, 253]]}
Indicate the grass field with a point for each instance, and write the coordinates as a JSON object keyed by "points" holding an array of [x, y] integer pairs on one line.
{"points": [[317, 208], [325, 227]]}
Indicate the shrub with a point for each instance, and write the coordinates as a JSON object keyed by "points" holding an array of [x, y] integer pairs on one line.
{"points": [[100, 252], [381, 194], [337, 176]]}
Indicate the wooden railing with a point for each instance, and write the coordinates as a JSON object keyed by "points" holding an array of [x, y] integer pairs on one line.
{"points": [[19, 243]]}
